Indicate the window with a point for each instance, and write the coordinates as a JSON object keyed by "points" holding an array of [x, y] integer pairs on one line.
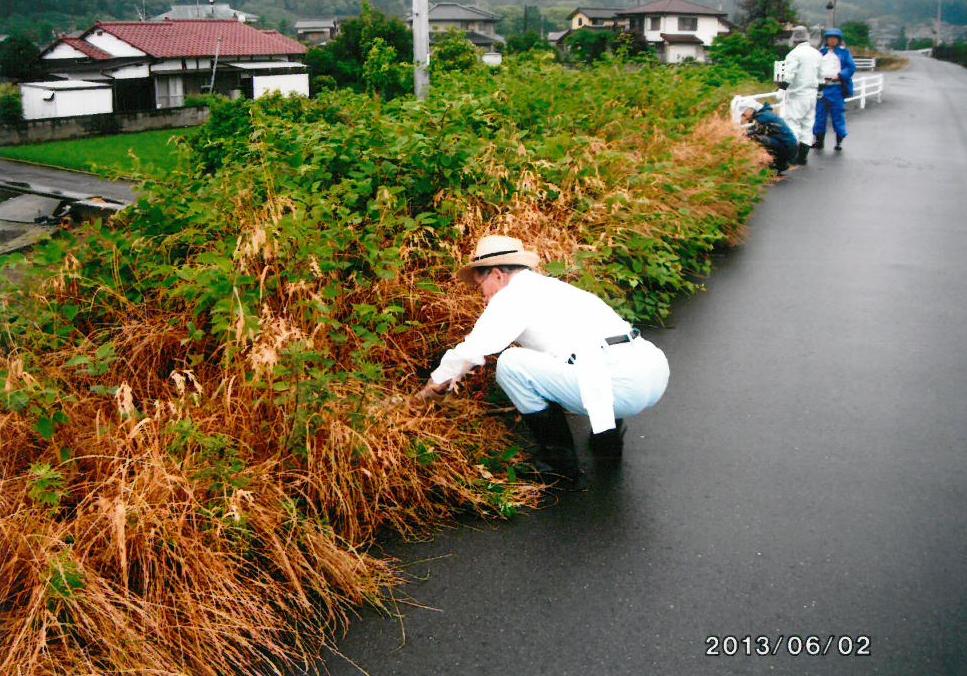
{"points": [[654, 23], [688, 23]]}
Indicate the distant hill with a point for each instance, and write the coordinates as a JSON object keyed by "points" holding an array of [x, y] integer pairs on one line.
{"points": [[41, 19]]}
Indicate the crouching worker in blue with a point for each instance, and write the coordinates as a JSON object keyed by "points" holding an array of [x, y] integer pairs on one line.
{"points": [[575, 353], [770, 131], [837, 68]]}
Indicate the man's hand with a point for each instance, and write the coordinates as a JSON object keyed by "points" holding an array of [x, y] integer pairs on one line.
{"points": [[431, 391]]}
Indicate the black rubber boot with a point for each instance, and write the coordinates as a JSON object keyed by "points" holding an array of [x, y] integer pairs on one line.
{"points": [[555, 456], [839, 142], [803, 151], [820, 141], [608, 445]]}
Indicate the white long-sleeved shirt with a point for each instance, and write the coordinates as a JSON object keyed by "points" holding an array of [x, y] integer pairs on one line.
{"points": [[550, 316], [802, 68]]}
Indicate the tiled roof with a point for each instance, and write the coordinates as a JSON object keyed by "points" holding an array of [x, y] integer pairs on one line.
{"points": [[673, 7], [681, 39], [87, 48], [452, 11], [596, 12], [310, 24], [178, 39]]}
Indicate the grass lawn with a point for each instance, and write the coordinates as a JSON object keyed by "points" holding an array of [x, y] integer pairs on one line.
{"points": [[105, 155]]}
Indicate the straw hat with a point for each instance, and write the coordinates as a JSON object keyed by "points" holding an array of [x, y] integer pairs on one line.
{"points": [[497, 250]]}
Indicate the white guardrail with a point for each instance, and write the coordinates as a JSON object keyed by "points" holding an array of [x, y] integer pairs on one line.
{"points": [[865, 64], [865, 87]]}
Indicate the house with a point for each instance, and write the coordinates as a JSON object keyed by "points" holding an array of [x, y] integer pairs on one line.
{"points": [[679, 29], [316, 31], [479, 26], [596, 17], [156, 64], [209, 10]]}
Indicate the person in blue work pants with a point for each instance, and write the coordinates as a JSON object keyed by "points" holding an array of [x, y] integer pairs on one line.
{"points": [[770, 131], [837, 69]]}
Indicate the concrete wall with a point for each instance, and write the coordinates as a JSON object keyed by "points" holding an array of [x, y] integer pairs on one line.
{"points": [[38, 131], [297, 83], [40, 103]]}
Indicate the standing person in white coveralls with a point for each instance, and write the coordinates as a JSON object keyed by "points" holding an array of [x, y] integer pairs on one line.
{"points": [[575, 354], [801, 79]]}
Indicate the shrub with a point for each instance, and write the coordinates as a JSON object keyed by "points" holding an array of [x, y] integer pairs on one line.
{"points": [[453, 51], [587, 45], [11, 108], [753, 52]]}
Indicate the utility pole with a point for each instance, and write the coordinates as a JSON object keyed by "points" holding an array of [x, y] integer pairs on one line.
{"points": [[421, 48], [936, 30], [218, 49], [831, 14]]}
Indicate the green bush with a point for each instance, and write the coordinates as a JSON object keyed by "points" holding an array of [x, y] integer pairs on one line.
{"points": [[453, 51], [11, 107], [343, 59], [587, 45], [752, 52]]}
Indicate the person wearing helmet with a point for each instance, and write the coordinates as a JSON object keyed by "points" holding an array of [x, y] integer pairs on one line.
{"points": [[800, 82], [837, 71], [770, 131]]}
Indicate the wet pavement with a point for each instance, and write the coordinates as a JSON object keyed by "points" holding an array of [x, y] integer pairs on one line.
{"points": [[806, 473], [67, 181]]}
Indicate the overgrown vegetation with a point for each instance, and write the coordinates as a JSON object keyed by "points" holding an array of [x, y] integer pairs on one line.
{"points": [[956, 52], [11, 106], [204, 417], [753, 51]]}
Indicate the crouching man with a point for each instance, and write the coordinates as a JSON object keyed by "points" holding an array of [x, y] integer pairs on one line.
{"points": [[770, 131], [575, 353]]}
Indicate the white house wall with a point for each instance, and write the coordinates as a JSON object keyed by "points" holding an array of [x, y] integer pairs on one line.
{"points": [[285, 84], [136, 71], [678, 53], [65, 51], [111, 44], [708, 28]]}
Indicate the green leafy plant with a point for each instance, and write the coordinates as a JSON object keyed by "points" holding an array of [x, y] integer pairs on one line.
{"points": [[47, 485]]}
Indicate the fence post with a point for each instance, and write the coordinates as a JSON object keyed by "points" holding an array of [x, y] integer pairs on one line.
{"points": [[879, 90], [862, 93]]}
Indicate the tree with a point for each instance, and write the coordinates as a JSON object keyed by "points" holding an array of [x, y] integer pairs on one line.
{"points": [[19, 58], [753, 51], [857, 34], [901, 39], [781, 11], [383, 73], [589, 45], [453, 51], [343, 58], [526, 42]]}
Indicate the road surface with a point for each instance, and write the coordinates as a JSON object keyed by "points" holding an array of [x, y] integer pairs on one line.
{"points": [[806, 473], [65, 180]]}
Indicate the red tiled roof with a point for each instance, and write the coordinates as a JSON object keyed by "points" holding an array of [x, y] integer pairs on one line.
{"points": [[86, 48], [178, 39]]}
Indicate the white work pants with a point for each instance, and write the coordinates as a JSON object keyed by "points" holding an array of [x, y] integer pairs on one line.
{"points": [[532, 379], [799, 111]]}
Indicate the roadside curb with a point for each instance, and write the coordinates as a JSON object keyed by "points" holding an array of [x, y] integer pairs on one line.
{"points": [[30, 163]]}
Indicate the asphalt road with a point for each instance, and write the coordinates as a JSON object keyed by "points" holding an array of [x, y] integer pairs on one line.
{"points": [[806, 473], [65, 180]]}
